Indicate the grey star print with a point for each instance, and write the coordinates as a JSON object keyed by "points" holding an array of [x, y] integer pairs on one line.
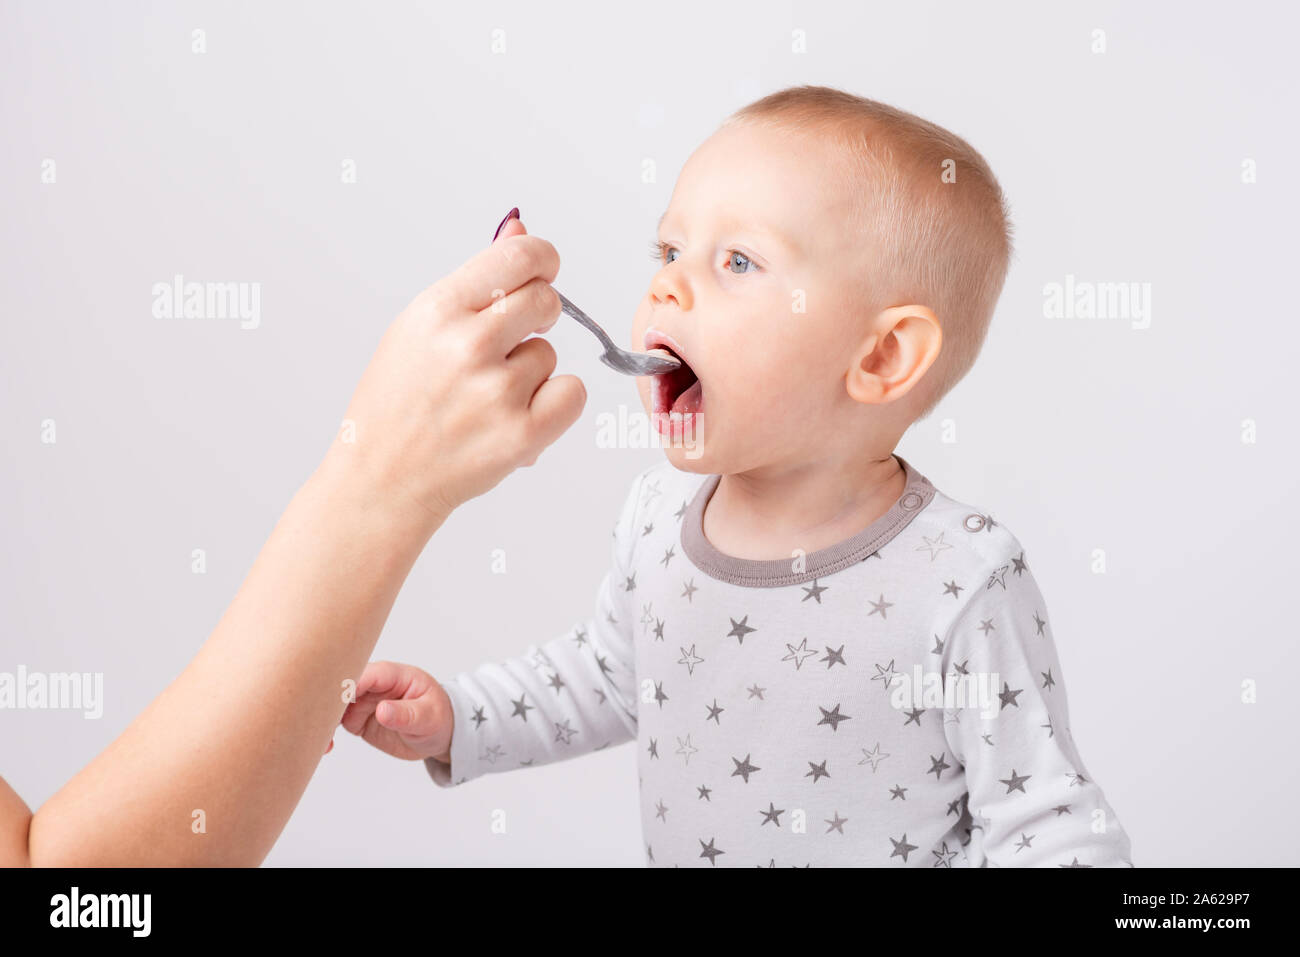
{"points": [[774, 701]]}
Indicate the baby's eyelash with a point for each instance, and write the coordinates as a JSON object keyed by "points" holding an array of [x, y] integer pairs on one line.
{"points": [[659, 249]]}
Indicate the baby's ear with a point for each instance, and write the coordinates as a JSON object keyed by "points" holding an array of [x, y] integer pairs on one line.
{"points": [[901, 343]]}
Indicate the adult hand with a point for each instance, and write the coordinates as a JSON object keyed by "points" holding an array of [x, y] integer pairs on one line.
{"points": [[456, 397]]}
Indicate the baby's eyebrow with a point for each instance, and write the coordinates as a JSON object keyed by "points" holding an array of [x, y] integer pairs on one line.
{"points": [[788, 244]]}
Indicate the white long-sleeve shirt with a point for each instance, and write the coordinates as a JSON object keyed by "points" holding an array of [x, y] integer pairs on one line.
{"points": [[781, 710]]}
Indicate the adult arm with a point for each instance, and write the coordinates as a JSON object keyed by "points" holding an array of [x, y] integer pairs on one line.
{"points": [[451, 403]]}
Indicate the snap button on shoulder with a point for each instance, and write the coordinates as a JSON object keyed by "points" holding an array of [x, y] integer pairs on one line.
{"points": [[973, 522], [911, 500]]}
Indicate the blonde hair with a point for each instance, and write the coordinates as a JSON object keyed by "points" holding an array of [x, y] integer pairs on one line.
{"points": [[937, 241]]}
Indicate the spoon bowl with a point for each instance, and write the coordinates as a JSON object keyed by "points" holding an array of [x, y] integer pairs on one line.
{"points": [[620, 360]]}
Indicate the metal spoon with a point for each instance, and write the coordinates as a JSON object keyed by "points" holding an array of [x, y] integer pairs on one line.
{"points": [[620, 360]]}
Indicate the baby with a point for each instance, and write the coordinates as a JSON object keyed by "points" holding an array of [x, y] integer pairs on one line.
{"points": [[823, 658]]}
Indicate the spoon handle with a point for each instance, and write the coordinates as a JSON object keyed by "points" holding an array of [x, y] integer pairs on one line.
{"points": [[570, 309]]}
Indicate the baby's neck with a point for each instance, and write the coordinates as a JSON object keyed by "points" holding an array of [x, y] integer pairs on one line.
{"points": [[767, 514]]}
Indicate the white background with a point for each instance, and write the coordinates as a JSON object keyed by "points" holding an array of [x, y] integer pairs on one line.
{"points": [[1078, 434]]}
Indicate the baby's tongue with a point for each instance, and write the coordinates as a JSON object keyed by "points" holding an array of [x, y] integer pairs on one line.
{"points": [[690, 400]]}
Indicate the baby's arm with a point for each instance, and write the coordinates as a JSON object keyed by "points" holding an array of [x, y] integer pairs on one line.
{"points": [[1028, 788], [572, 695]]}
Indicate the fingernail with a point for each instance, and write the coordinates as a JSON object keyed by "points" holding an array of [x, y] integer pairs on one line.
{"points": [[513, 214]]}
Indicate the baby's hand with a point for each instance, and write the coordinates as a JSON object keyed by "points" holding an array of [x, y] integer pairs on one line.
{"points": [[402, 711]]}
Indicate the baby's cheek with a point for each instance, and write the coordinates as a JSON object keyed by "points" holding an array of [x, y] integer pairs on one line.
{"points": [[785, 396], [744, 402]]}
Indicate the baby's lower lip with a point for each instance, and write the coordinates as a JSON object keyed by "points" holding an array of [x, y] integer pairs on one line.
{"points": [[678, 417], [679, 427]]}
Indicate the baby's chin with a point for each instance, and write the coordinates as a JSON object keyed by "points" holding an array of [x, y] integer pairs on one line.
{"points": [[710, 450], [689, 459], [680, 436]]}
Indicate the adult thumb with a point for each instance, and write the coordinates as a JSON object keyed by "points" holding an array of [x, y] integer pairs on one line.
{"points": [[510, 226]]}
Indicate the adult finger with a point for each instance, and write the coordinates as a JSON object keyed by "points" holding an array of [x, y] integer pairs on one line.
{"points": [[499, 270], [511, 227], [556, 405], [532, 362], [534, 307]]}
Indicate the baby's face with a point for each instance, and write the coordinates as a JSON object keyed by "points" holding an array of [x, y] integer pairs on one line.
{"points": [[759, 292]]}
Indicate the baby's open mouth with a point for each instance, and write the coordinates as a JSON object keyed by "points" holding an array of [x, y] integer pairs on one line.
{"points": [[679, 391]]}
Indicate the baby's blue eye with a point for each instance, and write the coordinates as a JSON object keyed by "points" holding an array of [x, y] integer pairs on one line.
{"points": [[666, 254], [659, 250], [731, 260]]}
